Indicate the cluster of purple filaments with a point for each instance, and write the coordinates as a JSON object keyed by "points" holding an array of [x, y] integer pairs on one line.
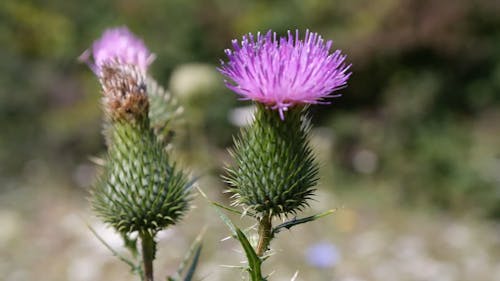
{"points": [[284, 72], [120, 45]]}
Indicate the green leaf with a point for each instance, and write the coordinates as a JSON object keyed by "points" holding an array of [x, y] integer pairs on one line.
{"points": [[291, 223], [254, 262], [194, 263], [227, 221], [229, 209], [194, 253]]}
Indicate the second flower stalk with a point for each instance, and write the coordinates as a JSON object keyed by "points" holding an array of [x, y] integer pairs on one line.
{"points": [[140, 189]]}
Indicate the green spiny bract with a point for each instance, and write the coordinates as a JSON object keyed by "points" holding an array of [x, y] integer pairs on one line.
{"points": [[139, 189], [275, 170]]}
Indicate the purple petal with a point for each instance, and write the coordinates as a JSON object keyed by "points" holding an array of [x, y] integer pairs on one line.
{"points": [[285, 71]]}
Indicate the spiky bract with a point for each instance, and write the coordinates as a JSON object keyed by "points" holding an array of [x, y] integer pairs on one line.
{"points": [[140, 190], [275, 171]]}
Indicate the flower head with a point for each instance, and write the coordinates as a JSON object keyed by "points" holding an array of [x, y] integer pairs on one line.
{"points": [[284, 72], [117, 44]]}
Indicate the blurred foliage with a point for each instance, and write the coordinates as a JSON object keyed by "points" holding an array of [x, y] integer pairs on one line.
{"points": [[426, 81]]}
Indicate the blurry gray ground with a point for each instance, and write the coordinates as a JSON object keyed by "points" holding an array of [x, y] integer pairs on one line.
{"points": [[47, 239]]}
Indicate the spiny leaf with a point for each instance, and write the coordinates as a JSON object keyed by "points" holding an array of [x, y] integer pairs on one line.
{"points": [[229, 209], [227, 221], [293, 222], [194, 263], [197, 243], [254, 262]]}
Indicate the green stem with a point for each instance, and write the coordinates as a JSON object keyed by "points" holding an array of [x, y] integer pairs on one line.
{"points": [[265, 234], [148, 254]]}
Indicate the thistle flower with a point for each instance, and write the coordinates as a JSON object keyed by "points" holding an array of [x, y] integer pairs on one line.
{"points": [[281, 73], [275, 170], [117, 44]]}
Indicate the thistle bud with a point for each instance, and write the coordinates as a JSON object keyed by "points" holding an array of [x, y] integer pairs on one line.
{"points": [[140, 189]]}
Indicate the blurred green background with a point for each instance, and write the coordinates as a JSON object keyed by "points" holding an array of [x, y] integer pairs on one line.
{"points": [[410, 153]]}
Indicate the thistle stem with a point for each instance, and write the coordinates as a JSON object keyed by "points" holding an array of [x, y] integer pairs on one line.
{"points": [[265, 234], [148, 254]]}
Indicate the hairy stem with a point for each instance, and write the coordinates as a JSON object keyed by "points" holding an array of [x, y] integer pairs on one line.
{"points": [[148, 254], [265, 234]]}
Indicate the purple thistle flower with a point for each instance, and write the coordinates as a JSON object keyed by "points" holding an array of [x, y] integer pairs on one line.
{"points": [[117, 44], [284, 72]]}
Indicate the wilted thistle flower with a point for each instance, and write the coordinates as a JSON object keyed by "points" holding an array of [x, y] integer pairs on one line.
{"points": [[283, 72], [140, 189], [275, 171], [124, 92], [120, 61]]}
